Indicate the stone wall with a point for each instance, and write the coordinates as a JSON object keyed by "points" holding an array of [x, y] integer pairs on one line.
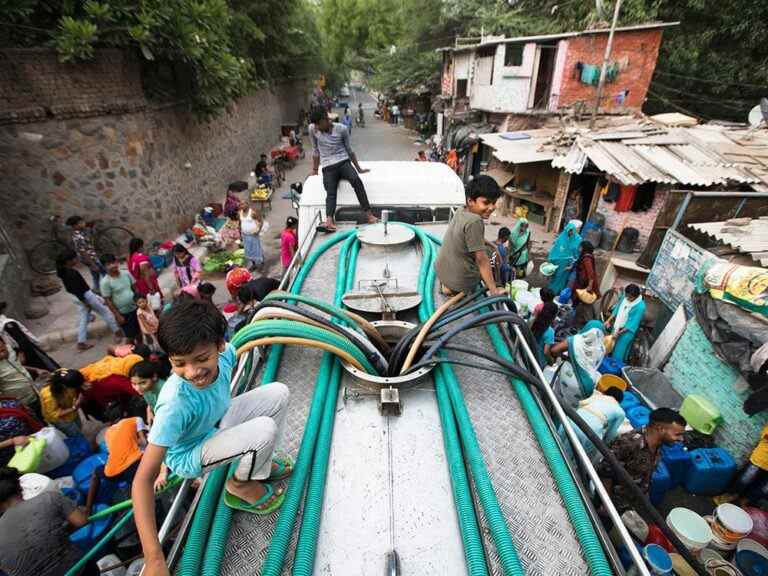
{"points": [[146, 167]]}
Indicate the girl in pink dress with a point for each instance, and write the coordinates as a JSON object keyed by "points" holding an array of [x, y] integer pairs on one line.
{"points": [[289, 242]]}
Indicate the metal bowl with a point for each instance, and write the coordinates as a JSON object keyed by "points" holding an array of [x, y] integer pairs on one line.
{"points": [[392, 331]]}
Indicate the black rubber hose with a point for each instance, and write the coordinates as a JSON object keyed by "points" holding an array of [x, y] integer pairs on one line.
{"points": [[355, 337], [648, 510], [498, 315]]}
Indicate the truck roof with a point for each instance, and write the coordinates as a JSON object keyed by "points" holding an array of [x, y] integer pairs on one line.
{"points": [[407, 183]]}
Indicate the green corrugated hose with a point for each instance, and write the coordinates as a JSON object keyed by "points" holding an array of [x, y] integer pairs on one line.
{"points": [[222, 521], [264, 328], [497, 524], [306, 547], [585, 532], [474, 553], [281, 537]]}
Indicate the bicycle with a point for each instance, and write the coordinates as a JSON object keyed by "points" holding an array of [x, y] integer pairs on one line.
{"points": [[638, 352], [108, 240]]}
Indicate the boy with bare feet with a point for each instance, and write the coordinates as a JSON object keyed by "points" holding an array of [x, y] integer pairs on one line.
{"points": [[198, 427]]}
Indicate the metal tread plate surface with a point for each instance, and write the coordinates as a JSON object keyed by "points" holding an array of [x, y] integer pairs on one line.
{"points": [[250, 534], [538, 521]]}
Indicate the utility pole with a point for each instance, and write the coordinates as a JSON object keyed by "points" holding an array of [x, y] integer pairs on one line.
{"points": [[604, 68]]}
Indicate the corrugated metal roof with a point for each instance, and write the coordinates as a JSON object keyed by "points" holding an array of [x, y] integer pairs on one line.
{"points": [[534, 149], [748, 236], [648, 152]]}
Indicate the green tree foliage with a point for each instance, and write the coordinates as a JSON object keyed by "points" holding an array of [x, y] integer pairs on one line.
{"points": [[209, 52], [714, 65]]}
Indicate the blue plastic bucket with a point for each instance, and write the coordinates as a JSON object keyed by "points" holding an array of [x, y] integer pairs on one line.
{"points": [[658, 559]]}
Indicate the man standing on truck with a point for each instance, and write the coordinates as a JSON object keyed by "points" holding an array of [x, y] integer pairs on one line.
{"points": [[462, 261], [331, 150]]}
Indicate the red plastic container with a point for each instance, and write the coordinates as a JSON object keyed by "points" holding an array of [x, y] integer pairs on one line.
{"points": [[656, 536]]}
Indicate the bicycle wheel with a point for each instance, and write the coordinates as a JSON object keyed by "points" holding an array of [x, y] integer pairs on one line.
{"points": [[607, 303], [42, 256], [113, 240]]}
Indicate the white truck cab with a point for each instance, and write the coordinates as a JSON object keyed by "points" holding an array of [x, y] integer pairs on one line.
{"points": [[415, 191]]}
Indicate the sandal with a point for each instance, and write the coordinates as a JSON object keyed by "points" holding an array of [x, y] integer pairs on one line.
{"points": [[326, 229], [263, 506], [284, 469]]}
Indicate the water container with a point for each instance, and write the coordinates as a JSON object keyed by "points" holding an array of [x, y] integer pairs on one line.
{"points": [[598, 219], [661, 481], [629, 401], [628, 240], [710, 472], [79, 450], [678, 460], [611, 381], [85, 537], [610, 365], [593, 236], [638, 416], [658, 559], [82, 477], [700, 413], [624, 556], [608, 239]]}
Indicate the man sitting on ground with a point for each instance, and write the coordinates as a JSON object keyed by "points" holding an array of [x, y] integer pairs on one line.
{"points": [[331, 150], [638, 452], [462, 261]]}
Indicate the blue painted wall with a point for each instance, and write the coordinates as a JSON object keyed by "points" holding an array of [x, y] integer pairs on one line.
{"points": [[694, 368]]}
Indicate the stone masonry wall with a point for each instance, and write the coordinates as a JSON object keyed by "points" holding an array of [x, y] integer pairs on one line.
{"points": [[150, 169], [635, 51]]}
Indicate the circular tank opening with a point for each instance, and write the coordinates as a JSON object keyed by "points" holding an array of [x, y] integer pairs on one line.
{"points": [[391, 331]]}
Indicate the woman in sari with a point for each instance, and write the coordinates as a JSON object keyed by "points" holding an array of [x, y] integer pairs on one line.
{"points": [[587, 291], [625, 319], [564, 254], [140, 267], [519, 239], [579, 375]]}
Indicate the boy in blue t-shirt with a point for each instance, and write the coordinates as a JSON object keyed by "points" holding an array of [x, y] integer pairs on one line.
{"points": [[198, 426]]}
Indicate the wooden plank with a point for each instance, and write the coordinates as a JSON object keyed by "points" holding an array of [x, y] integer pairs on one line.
{"points": [[667, 340]]}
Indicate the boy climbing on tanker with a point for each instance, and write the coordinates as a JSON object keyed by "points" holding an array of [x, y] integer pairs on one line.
{"points": [[198, 427], [463, 262]]}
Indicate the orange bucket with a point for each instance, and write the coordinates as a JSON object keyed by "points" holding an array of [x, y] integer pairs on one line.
{"points": [[611, 381]]}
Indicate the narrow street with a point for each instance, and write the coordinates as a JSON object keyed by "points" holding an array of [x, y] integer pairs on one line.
{"points": [[377, 141]]}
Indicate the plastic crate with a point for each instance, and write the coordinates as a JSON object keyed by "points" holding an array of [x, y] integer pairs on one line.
{"points": [[678, 460], [710, 472]]}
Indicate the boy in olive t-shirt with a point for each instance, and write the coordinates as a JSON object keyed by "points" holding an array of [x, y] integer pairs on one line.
{"points": [[462, 261]]}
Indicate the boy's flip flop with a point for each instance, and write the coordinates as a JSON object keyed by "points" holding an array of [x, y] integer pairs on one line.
{"points": [[260, 507], [326, 229], [284, 468]]}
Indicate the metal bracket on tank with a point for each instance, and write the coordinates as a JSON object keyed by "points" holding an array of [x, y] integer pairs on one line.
{"points": [[389, 402]]}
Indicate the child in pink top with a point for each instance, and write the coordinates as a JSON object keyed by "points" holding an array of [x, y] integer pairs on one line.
{"points": [[289, 241]]}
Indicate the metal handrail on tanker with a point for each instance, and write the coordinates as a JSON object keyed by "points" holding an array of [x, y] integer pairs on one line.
{"points": [[581, 455]]}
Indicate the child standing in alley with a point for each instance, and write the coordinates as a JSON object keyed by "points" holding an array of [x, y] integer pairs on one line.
{"points": [[147, 319], [199, 427], [289, 242], [462, 261]]}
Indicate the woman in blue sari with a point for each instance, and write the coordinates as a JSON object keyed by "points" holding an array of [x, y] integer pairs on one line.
{"points": [[564, 254], [625, 320], [579, 375]]}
